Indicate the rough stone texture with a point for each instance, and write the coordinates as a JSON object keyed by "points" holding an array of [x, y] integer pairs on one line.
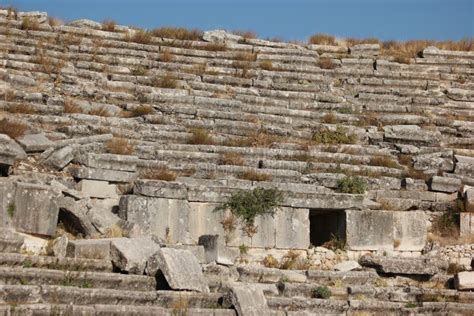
{"points": [[102, 174], [409, 230], [180, 268], [35, 209], [60, 246], [369, 230], [410, 133], [220, 36], [98, 189], [35, 142], [131, 254], [216, 250], [165, 218], [73, 214], [445, 184], [469, 200], [10, 241], [417, 266], [466, 225], [60, 158], [292, 228], [348, 265], [7, 194], [161, 189], [248, 299], [10, 151], [464, 280], [109, 161], [89, 249]]}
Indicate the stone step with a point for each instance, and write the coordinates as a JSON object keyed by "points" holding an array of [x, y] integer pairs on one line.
{"points": [[10, 241], [36, 276], [71, 264], [97, 309], [32, 294]]}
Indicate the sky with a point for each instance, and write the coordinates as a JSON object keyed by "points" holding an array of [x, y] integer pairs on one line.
{"points": [[287, 20]]}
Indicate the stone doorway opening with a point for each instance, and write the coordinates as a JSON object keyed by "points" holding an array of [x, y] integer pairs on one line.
{"points": [[326, 225]]}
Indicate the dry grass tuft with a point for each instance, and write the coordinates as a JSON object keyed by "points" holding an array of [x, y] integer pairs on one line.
{"points": [[71, 107], [200, 136], [231, 159], [100, 111], [254, 176], [139, 70], [266, 65], [119, 146], [322, 39], [383, 161], [166, 82], [30, 24], [245, 34], [256, 139], [109, 25], [166, 56], [356, 41], [140, 37], [250, 57], [9, 95], [329, 118], [162, 173], [178, 33], [214, 47], [326, 63], [22, 108], [142, 110], [53, 22], [12, 129]]}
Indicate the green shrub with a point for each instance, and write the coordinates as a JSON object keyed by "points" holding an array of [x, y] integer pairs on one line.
{"points": [[11, 210], [339, 136], [353, 185], [246, 205], [321, 292]]}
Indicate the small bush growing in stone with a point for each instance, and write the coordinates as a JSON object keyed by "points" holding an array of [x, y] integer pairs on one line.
{"points": [[270, 262], [142, 110], [243, 249], [247, 205], [140, 37], [11, 210], [12, 129], [178, 33], [109, 25], [322, 39], [326, 63], [200, 136], [162, 173], [331, 137], [254, 176], [353, 185], [335, 243], [30, 24], [120, 146], [167, 82], [266, 65], [166, 56], [321, 292], [22, 108]]}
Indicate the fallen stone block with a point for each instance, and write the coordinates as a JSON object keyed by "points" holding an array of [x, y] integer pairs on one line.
{"points": [[469, 200], [197, 250], [216, 251], [464, 280], [110, 161], [348, 265], [10, 151], [131, 254], [180, 268], [89, 249], [98, 189], [73, 215], [395, 265], [248, 300], [59, 247], [60, 158], [10, 241], [102, 216], [445, 184], [35, 142], [411, 134], [35, 209]]}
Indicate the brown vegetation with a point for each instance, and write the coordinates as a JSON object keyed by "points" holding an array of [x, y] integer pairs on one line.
{"points": [[166, 56], [254, 176], [119, 146], [71, 107], [231, 159], [109, 25], [162, 173], [166, 82], [22, 108], [30, 24], [214, 47], [266, 65], [383, 161], [200, 136], [326, 63], [322, 39], [100, 111], [178, 33], [246, 57], [142, 110], [140, 37], [12, 129], [329, 118]]}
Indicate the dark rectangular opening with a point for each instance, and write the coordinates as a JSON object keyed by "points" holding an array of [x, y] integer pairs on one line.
{"points": [[326, 225]]}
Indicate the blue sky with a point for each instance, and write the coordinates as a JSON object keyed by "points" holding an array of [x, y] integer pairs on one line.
{"points": [[290, 19]]}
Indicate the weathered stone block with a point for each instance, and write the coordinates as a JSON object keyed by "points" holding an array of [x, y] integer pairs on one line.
{"points": [[73, 214], [110, 161], [60, 158], [102, 174], [98, 189], [469, 200], [292, 228], [7, 194], [131, 254], [204, 220], [248, 299], [35, 142], [161, 189], [264, 238], [347, 265], [410, 230], [410, 133], [466, 223], [197, 250], [35, 209], [165, 218], [89, 249], [369, 230], [464, 280], [180, 268], [216, 250], [395, 265], [10, 150], [445, 184]]}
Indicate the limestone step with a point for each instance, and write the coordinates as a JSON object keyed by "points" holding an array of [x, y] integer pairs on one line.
{"points": [[10, 241], [72, 264], [36, 276], [98, 309], [32, 294]]}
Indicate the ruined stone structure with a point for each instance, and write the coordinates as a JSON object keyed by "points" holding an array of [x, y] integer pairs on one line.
{"points": [[124, 145]]}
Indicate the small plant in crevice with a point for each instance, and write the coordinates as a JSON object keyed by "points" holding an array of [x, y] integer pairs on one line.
{"points": [[252, 175], [229, 224], [12, 128], [246, 205], [11, 210], [322, 292], [200, 136], [326, 63], [162, 173], [119, 146], [331, 137], [352, 185], [335, 243], [109, 25], [243, 249]]}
